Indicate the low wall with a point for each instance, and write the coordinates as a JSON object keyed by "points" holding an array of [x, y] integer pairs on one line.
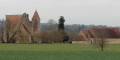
{"points": [[81, 42], [107, 41], [113, 41]]}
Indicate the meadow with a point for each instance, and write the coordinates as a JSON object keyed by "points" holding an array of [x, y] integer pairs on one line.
{"points": [[58, 52]]}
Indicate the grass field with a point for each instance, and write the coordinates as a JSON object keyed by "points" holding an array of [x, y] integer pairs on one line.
{"points": [[57, 52]]}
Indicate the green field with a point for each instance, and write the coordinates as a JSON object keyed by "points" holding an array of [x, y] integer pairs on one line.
{"points": [[57, 52]]}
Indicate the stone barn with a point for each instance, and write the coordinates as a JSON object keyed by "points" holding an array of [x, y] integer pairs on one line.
{"points": [[111, 35], [19, 29]]}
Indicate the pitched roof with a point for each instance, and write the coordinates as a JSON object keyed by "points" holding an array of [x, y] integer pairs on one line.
{"points": [[100, 33], [79, 38], [106, 32], [36, 16], [13, 17], [87, 33], [13, 20]]}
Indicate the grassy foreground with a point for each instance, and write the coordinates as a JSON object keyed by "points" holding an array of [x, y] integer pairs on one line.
{"points": [[57, 52]]}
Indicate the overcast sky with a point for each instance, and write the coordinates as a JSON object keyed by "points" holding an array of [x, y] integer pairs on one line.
{"points": [[98, 12]]}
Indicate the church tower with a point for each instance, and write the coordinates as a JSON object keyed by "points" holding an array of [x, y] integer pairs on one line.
{"points": [[36, 22]]}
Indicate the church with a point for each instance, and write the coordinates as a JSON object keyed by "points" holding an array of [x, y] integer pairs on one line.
{"points": [[19, 29]]}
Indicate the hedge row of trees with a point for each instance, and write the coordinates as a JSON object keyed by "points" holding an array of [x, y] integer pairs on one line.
{"points": [[2, 23]]}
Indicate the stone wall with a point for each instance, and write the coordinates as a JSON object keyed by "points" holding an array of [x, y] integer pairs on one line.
{"points": [[113, 41], [81, 42], [107, 41]]}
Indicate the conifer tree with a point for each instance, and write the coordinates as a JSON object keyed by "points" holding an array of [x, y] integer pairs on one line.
{"points": [[61, 29], [61, 23]]}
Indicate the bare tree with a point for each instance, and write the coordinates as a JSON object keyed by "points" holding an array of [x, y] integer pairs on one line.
{"points": [[100, 39], [51, 37], [72, 36], [8, 34], [1, 29], [7, 30], [52, 24]]}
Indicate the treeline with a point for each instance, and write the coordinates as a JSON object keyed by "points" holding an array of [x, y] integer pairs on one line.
{"points": [[72, 27], [2, 23]]}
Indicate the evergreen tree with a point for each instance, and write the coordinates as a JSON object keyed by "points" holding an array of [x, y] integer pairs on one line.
{"points": [[61, 29], [61, 23]]}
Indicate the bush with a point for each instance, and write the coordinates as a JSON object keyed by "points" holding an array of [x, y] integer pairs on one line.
{"points": [[51, 37]]}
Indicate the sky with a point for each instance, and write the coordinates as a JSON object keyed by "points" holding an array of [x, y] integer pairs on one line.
{"points": [[97, 12]]}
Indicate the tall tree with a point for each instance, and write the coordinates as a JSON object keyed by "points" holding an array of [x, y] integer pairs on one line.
{"points": [[61, 23], [61, 29], [100, 39]]}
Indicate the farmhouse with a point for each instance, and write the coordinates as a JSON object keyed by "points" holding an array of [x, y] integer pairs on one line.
{"points": [[19, 29], [112, 35]]}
